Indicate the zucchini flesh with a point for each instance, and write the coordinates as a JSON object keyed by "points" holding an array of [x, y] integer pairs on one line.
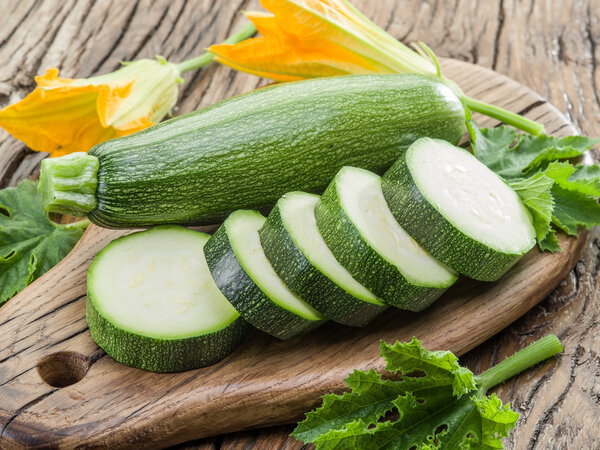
{"points": [[357, 225], [300, 256], [244, 275], [248, 151], [458, 209], [152, 302]]}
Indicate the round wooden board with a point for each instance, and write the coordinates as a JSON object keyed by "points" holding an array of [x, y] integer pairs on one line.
{"points": [[265, 381]]}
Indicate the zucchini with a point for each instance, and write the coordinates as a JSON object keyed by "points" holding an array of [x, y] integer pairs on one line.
{"points": [[249, 150], [357, 225], [247, 279], [152, 303], [299, 255], [458, 209]]}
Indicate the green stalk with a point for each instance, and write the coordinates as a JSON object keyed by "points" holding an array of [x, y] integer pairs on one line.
{"points": [[510, 118], [206, 58], [537, 352], [79, 225]]}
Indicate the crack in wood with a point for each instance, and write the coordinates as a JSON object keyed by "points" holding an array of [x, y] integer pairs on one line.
{"points": [[60, 307], [118, 40], [18, 412], [147, 37], [592, 43], [533, 106], [498, 35], [14, 377], [544, 421]]}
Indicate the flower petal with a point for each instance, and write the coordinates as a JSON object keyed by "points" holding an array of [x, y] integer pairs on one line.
{"points": [[272, 58], [138, 95], [314, 38], [51, 79], [319, 25], [265, 23], [64, 115], [110, 99], [282, 56], [56, 119]]}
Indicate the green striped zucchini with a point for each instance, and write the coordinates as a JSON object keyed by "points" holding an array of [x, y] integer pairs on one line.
{"points": [[357, 225], [247, 279], [249, 150], [458, 209], [299, 255], [152, 303]]}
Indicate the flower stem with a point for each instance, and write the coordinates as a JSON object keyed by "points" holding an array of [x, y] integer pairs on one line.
{"points": [[510, 118], [537, 352], [206, 58], [79, 225]]}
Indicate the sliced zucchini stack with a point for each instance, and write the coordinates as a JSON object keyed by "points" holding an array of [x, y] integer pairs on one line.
{"points": [[299, 255], [152, 303], [458, 210], [244, 275], [358, 227]]}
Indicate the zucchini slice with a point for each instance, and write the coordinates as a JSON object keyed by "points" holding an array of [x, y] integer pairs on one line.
{"points": [[357, 225], [458, 209], [152, 303], [244, 275], [299, 255]]}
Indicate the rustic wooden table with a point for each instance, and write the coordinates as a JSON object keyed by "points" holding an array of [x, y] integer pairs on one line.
{"points": [[550, 46]]}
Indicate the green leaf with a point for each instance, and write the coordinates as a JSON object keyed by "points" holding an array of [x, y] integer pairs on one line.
{"points": [[549, 243], [496, 420], [536, 194], [586, 179], [30, 244], [513, 155], [583, 179], [431, 422], [432, 402], [440, 368], [428, 421], [371, 398], [573, 209]]}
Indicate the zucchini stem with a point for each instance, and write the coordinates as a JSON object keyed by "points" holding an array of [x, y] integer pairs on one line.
{"points": [[206, 58], [534, 353], [68, 184], [510, 118], [79, 225]]}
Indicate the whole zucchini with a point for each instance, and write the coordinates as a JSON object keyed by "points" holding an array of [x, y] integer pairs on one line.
{"points": [[249, 150]]}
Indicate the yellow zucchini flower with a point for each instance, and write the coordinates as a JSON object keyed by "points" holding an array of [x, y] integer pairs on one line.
{"points": [[318, 38], [65, 115]]}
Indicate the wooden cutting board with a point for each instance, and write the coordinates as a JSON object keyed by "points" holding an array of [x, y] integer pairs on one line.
{"points": [[58, 389]]}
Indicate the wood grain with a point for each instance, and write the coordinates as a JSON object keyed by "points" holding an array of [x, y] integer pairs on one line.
{"points": [[548, 45]]}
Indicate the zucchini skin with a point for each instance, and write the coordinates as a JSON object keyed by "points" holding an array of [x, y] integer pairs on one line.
{"points": [[246, 297], [435, 233], [249, 150], [307, 282], [158, 354], [363, 262], [163, 355]]}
